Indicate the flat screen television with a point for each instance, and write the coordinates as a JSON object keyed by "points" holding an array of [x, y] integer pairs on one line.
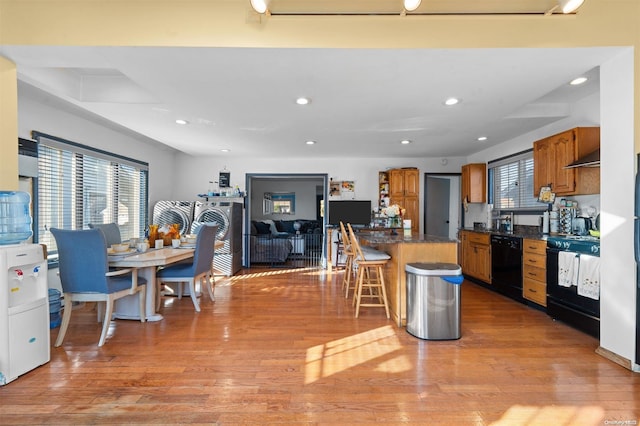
{"points": [[355, 212]]}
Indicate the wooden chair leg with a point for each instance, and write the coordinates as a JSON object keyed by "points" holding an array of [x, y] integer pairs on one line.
{"points": [[194, 298], [106, 321], [66, 317]]}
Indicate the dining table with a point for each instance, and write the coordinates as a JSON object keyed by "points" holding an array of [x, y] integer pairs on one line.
{"points": [[146, 263]]}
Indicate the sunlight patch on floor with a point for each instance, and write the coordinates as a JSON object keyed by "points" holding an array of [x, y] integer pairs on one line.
{"points": [[339, 355], [260, 274], [526, 415]]}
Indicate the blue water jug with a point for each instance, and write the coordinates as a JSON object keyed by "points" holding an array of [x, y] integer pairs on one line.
{"points": [[15, 217]]}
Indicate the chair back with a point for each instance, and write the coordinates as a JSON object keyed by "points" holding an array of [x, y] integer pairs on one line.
{"points": [[355, 246], [205, 248], [346, 240], [111, 232], [83, 261]]}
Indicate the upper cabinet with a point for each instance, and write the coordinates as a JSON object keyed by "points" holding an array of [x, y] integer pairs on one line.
{"points": [[474, 183], [404, 190], [552, 154]]}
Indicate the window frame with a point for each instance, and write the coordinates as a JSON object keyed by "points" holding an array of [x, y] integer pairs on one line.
{"points": [[121, 174], [518, 158]]}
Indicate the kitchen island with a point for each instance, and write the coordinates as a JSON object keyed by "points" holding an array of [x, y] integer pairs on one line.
{"points": [[407, 249]]}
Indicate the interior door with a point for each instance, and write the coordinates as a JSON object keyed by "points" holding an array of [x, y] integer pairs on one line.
{"points": [[441, 208]]}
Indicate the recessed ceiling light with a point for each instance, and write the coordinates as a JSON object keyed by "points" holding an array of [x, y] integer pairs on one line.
{"points": [[180, 121], [225, 150], [310, 142], [578, 80], [451, 101], [482, 138], [303, 101], [405, 142]]}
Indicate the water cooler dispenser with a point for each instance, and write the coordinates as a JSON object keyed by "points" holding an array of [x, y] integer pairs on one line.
{"points": [[24, 305]]}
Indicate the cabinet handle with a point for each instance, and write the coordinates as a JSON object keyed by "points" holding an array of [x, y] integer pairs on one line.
{"points": [[532, 247], [533, 261], [532, 290], [533, 274]]}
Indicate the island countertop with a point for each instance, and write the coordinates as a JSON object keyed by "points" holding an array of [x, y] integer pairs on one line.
{"points": [[403, 250], [387, 238]]}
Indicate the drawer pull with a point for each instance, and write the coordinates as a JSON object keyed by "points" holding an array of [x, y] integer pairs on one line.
{"points": [[533, 274], [533, 261], [532, 247], [532, 290]]}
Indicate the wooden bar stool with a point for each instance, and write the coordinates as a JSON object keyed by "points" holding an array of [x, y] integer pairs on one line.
{"points": [[348, 280], [370, 276]]}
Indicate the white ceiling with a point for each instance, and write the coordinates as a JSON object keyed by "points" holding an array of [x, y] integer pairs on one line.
{"points": [[363, 101]]}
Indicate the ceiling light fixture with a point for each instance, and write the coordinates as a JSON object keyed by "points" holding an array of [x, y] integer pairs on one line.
{"points": [[451, 101], [411, 5], [181, 121], [405, 142], [310, 142], [569, 6], [482, 138], [303, 101], [225, 150], [578, 81], [260, 6]]}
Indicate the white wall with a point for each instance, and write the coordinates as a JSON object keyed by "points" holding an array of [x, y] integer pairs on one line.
{"points": [[197, 172], [618, 272]]}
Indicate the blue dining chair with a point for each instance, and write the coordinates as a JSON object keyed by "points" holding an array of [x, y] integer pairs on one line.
{"points": [[111, 232], [199, 269], [85, 276]]}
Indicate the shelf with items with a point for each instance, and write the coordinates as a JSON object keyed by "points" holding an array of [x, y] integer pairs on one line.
{"points": [[383, 189]]}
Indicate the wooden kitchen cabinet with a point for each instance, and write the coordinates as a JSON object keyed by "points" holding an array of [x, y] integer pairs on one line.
{"points": [[534, 271], [474, 183], [476, 255], [404, 190], [552, 154]]}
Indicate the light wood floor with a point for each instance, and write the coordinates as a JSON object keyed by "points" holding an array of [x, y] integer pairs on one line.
{"points": [[283, 347]]}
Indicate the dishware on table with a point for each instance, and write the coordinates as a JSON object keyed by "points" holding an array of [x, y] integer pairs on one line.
{"points": [[142, 246], [133, 242], [120, 248], [190, 238], [159, 244], [175, 243]]}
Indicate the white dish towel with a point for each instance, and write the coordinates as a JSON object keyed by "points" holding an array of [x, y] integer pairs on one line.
{"points": [[589, 277], [568, 268]]}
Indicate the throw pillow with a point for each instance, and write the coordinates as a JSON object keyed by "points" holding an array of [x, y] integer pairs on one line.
{"points": [[262, 228]]}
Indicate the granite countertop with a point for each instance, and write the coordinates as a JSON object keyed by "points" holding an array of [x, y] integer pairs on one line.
{"points": [[387, 238], [530, 232]]}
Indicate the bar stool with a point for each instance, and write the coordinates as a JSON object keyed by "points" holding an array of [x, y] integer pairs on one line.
{"points": [[370, 263], [348, 281]]}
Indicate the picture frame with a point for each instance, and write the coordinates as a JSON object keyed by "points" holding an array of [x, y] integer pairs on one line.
{"points": [[546, 196]]}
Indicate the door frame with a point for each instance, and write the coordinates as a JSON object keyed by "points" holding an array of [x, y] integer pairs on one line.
{"points": [[453, 200], [289, 176]]}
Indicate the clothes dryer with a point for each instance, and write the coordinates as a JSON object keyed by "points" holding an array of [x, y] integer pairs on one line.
{"points": [[168, 212], [227, 214]]}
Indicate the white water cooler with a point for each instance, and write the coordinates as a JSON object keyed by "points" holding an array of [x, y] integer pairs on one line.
{"points": [[24, 310]]}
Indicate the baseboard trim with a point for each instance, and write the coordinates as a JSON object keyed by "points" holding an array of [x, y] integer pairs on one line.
{"points": [[611, 356]]}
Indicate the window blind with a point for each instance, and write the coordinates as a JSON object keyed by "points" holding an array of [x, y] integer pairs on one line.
{"points": [[511, 183], [78, 185]]}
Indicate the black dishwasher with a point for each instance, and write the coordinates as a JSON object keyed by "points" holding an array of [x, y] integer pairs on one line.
{"points": [[506, 265]]}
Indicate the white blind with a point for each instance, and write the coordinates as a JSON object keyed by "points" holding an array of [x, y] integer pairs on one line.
{"points": [[76, 188], [512, 183]]}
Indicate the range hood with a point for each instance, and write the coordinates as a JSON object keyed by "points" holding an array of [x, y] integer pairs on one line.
{"points": [[589, 160]]}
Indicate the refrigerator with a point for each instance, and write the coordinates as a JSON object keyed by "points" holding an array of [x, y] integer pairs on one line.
{"points": [[24, 310]]}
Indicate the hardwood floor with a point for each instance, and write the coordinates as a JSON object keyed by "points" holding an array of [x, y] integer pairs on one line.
{"points": [[282, 346]]}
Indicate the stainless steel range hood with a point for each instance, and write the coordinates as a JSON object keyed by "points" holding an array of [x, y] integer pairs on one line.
{"points": [[589, 160]]}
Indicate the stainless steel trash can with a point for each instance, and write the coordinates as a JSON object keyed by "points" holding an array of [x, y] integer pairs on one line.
{"points": [[433, 300]]}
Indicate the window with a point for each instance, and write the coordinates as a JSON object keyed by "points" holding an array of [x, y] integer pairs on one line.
{"points": [[511, 183], [280, 203], [78, 185]]}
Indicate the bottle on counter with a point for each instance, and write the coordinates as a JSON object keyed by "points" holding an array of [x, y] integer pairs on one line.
{"points": [[545, 223]]}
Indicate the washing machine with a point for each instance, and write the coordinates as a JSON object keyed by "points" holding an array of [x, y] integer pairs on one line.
{"points": [[168, 212], [226, 212]]}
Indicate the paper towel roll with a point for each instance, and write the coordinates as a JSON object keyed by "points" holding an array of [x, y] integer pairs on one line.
{"points": [[545, 222]]}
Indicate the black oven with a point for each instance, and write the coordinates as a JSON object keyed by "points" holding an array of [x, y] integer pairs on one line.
{"points": [[564, 303], [506, 265]]}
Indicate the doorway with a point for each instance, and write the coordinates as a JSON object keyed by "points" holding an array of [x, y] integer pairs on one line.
{"points": [[442, 213], [308, 245]]}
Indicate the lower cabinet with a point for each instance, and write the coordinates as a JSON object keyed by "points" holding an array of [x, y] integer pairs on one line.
{"points": [[476, 255], [534, 271]]}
